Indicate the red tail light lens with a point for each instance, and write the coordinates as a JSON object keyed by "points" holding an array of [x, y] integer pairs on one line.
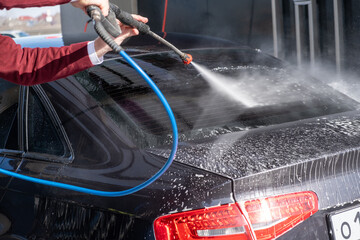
{"points": [[223, 222], [269, 218], [273, 216]]}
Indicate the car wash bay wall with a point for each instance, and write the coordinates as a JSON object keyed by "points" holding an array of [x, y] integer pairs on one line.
{"points": [[303, 32], [316, 32], [246, 21], [298, 31]]}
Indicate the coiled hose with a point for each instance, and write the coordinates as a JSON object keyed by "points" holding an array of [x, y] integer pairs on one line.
{"points": [[99, 28]]}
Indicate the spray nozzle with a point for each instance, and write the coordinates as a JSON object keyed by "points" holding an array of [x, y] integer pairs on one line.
{"points": [[186, 58]]}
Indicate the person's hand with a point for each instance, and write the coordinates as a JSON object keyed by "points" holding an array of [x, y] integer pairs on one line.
{"points": [[102, 48], [102, 4], [127, 31]]}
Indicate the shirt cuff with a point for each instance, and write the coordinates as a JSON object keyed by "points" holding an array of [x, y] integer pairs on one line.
{"points": [[73, 0], [92, 54]]}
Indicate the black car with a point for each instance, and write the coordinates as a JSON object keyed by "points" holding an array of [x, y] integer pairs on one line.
{"points": [[285, 166]]}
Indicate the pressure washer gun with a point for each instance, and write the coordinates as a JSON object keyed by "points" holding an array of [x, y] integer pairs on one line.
{"points": [[107, 25], [104, 27]]}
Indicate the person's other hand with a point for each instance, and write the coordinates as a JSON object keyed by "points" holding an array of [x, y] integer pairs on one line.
{"points": [[102, 48], [102, 4], [127, 31]]}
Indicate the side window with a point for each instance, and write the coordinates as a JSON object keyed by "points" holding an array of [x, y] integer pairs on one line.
{"points": [[9, 97], [43, 137]]}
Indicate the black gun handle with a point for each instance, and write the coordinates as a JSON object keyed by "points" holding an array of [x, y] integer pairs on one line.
{"points": [[127, 19], [103, 27], [109, 22]]}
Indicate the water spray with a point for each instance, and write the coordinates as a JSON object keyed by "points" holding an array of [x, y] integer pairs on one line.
{"points": [[225, 86]]}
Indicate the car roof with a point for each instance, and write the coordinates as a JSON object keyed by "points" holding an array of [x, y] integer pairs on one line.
{"points": [[42, 41], [136, 44]]}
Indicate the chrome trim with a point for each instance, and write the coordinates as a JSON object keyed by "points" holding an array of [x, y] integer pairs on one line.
{"points": [[23, 101], [59, 128]]}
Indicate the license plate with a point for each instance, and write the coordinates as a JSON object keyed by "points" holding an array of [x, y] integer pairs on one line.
{"points": [[346, 224]]}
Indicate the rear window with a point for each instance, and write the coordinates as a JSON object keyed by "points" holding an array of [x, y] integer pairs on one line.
{"points": [[273, 93]]}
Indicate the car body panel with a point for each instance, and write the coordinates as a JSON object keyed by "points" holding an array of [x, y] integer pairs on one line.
{"points": [[106, 160], [305, 137], [321, 155], [14, 33], [11, 164]]}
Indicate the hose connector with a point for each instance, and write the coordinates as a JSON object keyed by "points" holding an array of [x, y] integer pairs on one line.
{"points": [[105, 27]]}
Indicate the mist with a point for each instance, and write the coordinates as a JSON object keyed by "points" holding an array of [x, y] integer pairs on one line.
{"points": [[227, 86], [346, 82], [259, 85]]}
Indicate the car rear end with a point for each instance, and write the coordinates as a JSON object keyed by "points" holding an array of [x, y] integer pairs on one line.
{"points": [[293, 158], [314, 196], [285, 168]]}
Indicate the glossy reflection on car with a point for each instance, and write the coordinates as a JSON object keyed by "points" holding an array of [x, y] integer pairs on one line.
{"points": [[285, 167]]}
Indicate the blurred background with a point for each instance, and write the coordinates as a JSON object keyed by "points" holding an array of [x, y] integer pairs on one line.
{"points": [[307, 33], [31, 21]]}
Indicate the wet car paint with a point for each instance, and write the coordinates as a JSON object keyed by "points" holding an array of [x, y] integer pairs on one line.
{"points": [[40, 212], [318, 154]]}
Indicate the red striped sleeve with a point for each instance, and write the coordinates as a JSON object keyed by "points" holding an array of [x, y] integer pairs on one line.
{"points": [[7, 4], [27, 66]]}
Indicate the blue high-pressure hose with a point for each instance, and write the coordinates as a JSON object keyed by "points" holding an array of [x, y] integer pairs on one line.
{"points": [[103, 32], [140, 186], [131, 190]]}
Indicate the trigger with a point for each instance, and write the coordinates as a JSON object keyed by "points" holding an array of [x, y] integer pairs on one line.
{"points": [[86, 24], [110, 24]]}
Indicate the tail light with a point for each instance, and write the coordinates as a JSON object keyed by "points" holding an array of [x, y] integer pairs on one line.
{"points": [[268, 218], [273, 216], [223, 222]]}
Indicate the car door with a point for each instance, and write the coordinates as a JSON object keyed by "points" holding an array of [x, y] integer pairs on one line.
{"points": [[45, 145], [33, 144], [10, 144], [10, 151]]}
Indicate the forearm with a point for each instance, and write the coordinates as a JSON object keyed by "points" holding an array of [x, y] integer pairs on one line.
{"points": [[101, 48], [39, 65], [7, 4]]}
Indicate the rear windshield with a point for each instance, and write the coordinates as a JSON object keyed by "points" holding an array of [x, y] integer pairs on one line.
{"points": [[264, 92]]}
